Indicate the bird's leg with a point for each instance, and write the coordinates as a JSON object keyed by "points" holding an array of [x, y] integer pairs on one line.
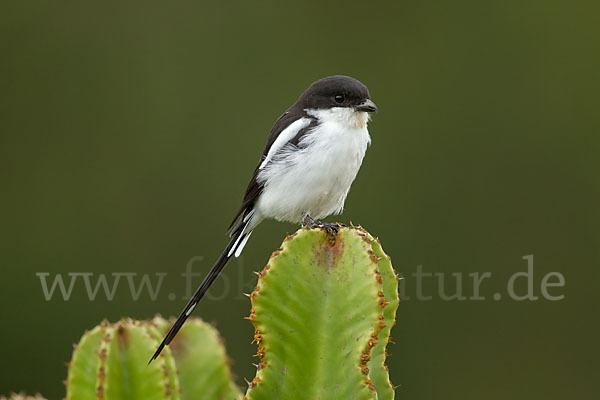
{"points": [[330, 228], [311, 223]]}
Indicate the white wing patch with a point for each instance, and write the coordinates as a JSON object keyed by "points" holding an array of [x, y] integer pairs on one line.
{"points": [[285, 136]]}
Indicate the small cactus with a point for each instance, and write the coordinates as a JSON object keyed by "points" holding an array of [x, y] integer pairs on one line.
{"points": [[110, 362], [322, 311], [21, 396]]}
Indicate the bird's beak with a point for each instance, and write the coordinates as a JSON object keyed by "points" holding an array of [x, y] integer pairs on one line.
{"points": [[367, 106]]}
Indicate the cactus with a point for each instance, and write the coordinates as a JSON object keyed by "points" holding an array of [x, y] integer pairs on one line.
{"points": [[322, 311], [21, 396], [110, 362]]}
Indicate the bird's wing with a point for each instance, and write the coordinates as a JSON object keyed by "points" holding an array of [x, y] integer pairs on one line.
{"points": [[289, 128]]}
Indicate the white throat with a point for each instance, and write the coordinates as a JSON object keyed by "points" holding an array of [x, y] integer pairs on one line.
{"points": [[346, 116]]}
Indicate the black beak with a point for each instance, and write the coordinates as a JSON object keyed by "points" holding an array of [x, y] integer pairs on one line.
{"points": [[367, 106]]}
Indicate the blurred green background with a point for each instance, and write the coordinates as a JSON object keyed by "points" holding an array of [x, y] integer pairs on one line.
{"points": [[129, 131]]}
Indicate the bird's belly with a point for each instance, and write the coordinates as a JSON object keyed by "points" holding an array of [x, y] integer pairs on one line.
{"points": [[315, 179]]}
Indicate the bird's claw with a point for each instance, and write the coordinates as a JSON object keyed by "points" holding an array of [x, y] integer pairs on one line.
{"points": [[331, 229]]}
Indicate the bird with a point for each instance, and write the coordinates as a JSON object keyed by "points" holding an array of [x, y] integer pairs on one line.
{"points": [[312, 156]]}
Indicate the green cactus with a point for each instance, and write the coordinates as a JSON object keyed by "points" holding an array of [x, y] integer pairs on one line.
{"points": [[21, 396], [110, 363], [322, 311]]}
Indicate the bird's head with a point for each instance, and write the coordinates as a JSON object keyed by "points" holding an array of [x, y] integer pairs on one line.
{"points": [[338, 96]]}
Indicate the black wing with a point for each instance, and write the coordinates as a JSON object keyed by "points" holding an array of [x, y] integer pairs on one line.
{"points": [[255, 188]]}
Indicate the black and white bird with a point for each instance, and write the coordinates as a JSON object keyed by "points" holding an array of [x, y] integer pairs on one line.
{"points": [[311, 158]]}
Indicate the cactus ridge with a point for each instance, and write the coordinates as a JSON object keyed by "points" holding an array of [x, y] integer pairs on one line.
{"points": [[322, 309], [388, 301]]}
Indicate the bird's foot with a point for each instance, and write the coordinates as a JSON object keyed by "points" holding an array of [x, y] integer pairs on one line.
{"points": [[331, 229]]}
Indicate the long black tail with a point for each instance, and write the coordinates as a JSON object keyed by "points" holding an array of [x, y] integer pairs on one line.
{"points": [[238, 240]]}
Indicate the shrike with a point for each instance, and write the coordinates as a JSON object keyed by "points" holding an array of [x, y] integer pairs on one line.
{"points": [[311, 158]]}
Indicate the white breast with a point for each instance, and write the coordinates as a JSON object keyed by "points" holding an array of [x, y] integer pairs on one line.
{"points": [[315, 177]]}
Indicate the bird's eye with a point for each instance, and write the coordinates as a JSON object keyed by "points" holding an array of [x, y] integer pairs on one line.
{"points": [[339, 98]]}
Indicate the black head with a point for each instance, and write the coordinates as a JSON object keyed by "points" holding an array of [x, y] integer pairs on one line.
{"points": [[337, 91]]}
